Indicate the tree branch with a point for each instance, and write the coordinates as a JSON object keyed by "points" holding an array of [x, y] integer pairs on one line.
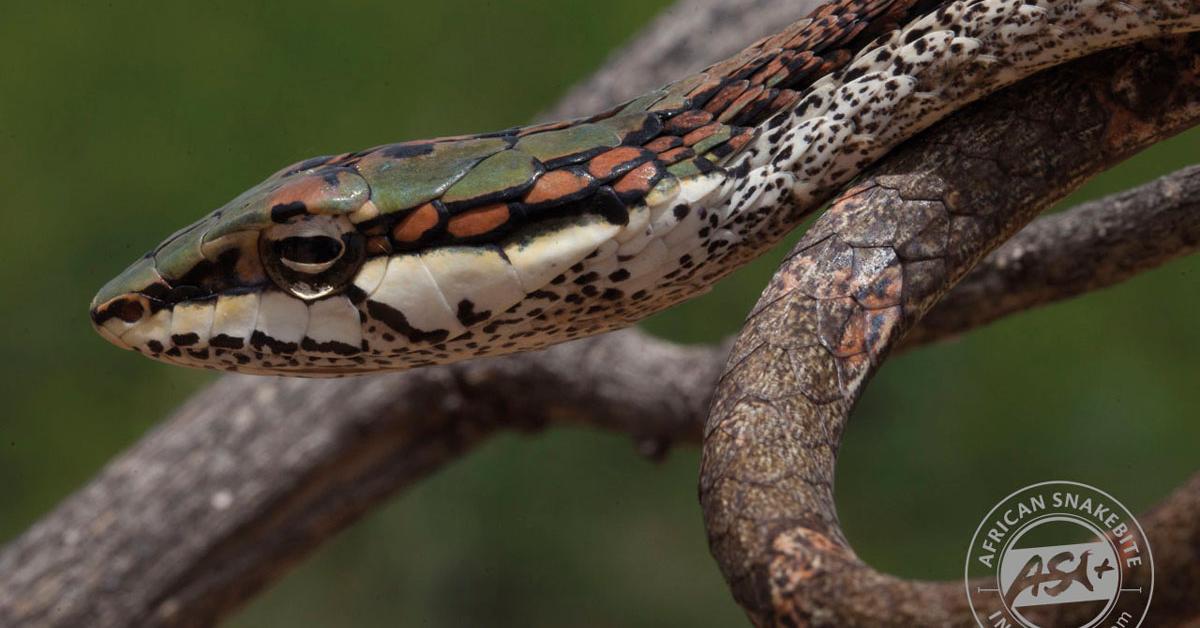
{"points": [[863, 275], [1092, 246], [253, 473]]}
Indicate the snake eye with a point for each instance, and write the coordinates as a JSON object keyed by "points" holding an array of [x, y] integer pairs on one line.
{"points": [[309, 254], [313, 256]]}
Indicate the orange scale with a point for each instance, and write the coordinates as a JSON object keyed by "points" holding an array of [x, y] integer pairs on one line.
{"points": [[726, 96], [704, 88], [607, 164], [664, 143], [638, 181], [854, 31], [688, 121], [736, 106], [804, 62], [676, 155], [301, 189], [702, 133], [416, 224], [556, 185], [738, 142], [836, 59], [479, 221], [768, 70]]}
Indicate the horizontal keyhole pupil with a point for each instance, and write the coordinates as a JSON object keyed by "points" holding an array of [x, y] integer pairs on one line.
{"points": [[309, 249]]}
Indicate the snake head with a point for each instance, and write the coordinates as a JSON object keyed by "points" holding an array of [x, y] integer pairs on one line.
{"points": [[426, 253], [398, 256], [249, 276]]}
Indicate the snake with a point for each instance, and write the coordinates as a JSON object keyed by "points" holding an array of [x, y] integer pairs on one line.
{"points": [[428, 252]]}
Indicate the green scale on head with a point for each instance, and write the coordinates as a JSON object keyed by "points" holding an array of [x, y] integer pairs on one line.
{"points": [[428, 252]]}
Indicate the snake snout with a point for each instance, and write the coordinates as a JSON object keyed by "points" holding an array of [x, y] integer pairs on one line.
{"points": [[127, 303], [117, 316]]}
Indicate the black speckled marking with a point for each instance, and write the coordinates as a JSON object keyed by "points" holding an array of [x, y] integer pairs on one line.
{"points": [[468, 316], [284, 212], [396, 320]]}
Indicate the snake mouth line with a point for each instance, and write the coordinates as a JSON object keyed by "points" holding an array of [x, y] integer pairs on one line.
{"points": [[236, 332]]}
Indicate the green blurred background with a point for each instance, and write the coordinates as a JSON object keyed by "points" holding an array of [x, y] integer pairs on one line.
{"points": [[121, 121]]}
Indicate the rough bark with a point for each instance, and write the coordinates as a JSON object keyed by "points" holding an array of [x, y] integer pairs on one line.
{"points": [[863, 275], [253, 473], [1092, 246]]}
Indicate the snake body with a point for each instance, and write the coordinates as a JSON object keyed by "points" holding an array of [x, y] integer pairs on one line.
{"points": [[434, 251]]}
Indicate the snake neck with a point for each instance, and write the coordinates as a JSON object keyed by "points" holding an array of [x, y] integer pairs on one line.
{"points": [[895, 86]]}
